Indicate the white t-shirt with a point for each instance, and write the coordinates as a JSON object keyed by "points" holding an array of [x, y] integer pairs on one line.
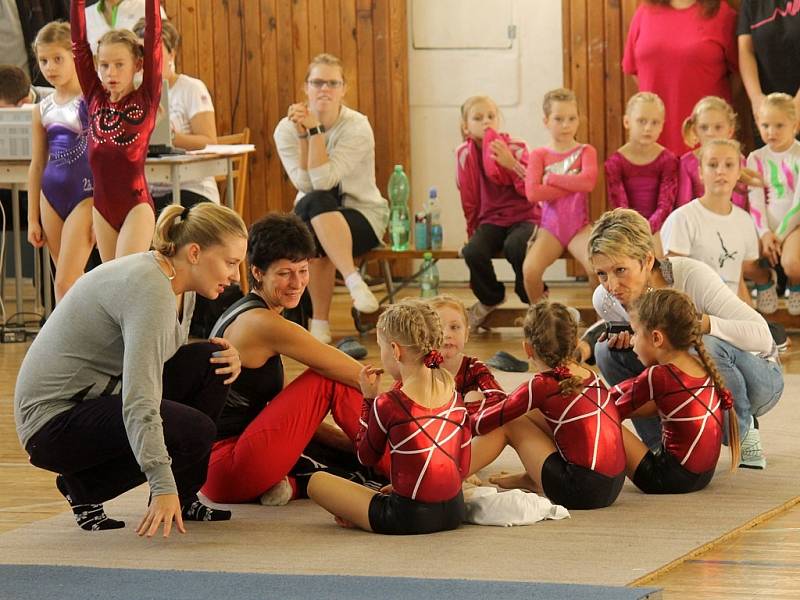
{"points": [[187, 98], [723, 242], [731, 319], [776, 208], [128, 13]]}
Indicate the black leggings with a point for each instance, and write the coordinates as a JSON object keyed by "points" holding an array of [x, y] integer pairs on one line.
{"points": [[89, 446], [323, 201]]}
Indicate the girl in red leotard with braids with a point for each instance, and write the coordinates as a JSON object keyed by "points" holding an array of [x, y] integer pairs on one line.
{"points": [[423, 421], [684, 389], [570, 438], [121, 119]]}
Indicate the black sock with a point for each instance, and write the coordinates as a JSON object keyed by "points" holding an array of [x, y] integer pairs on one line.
{"points": [[197, 511], [89, 517]]}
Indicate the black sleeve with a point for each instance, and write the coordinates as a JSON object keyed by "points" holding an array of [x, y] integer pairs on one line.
{"points": [[745, 18]]}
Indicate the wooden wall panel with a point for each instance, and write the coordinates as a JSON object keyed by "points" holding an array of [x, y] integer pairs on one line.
{"points": [[253, 55]]}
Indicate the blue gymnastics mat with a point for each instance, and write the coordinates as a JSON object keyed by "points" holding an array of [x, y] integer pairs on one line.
{"points": [[28, 582]]}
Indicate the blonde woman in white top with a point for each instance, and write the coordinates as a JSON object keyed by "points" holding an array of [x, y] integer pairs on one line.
{"points": [[328, 151]]}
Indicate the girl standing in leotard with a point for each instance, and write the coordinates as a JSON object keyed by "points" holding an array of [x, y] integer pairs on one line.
{"points": [[121, 119], [60, 182]]}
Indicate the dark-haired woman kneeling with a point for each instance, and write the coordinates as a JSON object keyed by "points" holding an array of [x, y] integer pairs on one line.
{"points": [[108, 396]]}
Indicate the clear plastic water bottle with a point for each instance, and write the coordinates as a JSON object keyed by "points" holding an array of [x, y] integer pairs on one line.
{"points": [[434, 211], [399, 222], [421, 232], [429, 279]]}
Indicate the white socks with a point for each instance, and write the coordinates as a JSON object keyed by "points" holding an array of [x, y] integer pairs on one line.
{"points": [[363, 298], [320, 329]]}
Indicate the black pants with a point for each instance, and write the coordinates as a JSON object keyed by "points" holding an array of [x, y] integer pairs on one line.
{"points": [[487, 241], [188, 200], [89, 446], [322, 201]]}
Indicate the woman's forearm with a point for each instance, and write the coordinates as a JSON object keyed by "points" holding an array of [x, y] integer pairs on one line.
{"points": [[749, 69]]}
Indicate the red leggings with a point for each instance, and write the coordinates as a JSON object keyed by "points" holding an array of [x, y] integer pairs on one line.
{"points": [[244, 467]]}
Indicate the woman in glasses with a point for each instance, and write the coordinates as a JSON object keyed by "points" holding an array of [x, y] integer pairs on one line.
{"points": [[328, 151]]}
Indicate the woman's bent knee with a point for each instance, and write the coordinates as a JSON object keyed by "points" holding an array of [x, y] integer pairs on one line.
{"points": [[316, 203]]}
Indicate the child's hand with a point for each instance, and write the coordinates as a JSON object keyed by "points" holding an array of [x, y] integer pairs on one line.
{"points": [[771, 247], [751, 178], [502, 154], [35, 234], [369, 379]]}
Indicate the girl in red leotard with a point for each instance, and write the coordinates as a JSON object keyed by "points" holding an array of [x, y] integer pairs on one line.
{"points": [[121, 119], [425, 425], [684, 389]]}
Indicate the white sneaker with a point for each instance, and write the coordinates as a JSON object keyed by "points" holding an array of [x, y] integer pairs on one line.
{"points": [[793, 303], [321, 332], [767, 299], [752, 453], [364, 300], [476, 315], [278, 495]]}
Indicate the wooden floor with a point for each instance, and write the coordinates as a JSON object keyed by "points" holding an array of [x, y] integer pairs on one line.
{"points": [[761, 562]]}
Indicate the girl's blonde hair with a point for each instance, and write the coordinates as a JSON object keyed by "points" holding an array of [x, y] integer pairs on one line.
{"points": [[448, 301], [641, 97], [414, 324], [557, 95], [206, 224], [673, 314], [169, 33], [469, 103], [552, 332], [622, 232], [704, 104], [55, 32], [783, 102], [124, 37], [732, 144], [328, 60]]}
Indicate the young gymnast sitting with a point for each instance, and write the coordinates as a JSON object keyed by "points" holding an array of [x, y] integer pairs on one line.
{"points": [[569, 439], [684, 389], [425, 424]]}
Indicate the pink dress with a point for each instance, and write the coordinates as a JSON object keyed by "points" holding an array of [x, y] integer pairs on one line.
{"points": [[690, 186], [490, 193], [570, 177], [649, 189], [681, 56]]}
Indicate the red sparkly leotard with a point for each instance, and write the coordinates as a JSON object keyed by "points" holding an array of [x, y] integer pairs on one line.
{"points": [[586, 425], [689, 409], [119, 132], [473, 375], [429, 447]]}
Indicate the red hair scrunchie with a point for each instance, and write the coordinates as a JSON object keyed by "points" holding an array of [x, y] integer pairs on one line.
{"points": [[562, 372], [725, 399], [433, 359]]}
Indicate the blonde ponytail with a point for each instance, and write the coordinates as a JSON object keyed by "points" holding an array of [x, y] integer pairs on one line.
{"points": [[206, 224]]}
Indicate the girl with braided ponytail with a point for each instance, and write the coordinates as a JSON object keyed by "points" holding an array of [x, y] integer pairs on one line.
{"points": [[423, 421], [684, 389], [562, 423]]}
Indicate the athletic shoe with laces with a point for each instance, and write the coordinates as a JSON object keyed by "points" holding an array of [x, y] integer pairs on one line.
{"points": [[767, 298], [364, 300], [752, 456], [476, 315], [793, 302]]}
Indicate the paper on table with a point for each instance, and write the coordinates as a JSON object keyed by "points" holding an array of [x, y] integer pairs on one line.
{"points": [[224, 149]]}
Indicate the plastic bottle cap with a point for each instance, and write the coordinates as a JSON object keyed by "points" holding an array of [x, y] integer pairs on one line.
{"points": [[432, 193], [427, 256], [398, 167]]}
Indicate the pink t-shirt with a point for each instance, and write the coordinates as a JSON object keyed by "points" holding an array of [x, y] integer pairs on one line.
{"points": [[681, 56]]}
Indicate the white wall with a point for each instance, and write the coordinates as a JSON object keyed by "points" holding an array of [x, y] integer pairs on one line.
{"points": [[441, 79]]}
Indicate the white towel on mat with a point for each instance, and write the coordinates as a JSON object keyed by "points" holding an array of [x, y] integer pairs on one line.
{"points": [[486, 506]]}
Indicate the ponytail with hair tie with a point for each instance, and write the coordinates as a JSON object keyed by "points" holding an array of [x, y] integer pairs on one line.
{"points": [[433, 359], [725, 398], [183, 216], [562, 372]]}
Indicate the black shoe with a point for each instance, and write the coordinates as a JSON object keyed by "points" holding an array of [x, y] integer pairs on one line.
{"points": [[503, 361], [778, 332], [352, 347]]}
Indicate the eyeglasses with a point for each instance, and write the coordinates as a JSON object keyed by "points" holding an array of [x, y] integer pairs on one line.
{"points": [[317, 84]]}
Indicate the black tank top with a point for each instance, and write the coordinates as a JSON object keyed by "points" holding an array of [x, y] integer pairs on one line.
{"points": [[254, 388]]}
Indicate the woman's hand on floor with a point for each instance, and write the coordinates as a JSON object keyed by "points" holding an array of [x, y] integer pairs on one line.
{"points": [[162, 509]]}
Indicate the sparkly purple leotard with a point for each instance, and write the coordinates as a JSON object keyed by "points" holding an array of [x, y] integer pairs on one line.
{"points": [[67, 178]]}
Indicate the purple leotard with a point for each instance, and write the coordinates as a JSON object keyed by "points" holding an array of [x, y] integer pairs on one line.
{"points": [[67, 178]]}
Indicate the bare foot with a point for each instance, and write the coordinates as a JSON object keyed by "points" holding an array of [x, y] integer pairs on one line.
{"points": [[510, 481], [474, 480], [344, 523]]}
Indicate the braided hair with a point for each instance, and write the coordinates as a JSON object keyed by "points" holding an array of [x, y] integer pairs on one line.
{"points": [[552, 332]]}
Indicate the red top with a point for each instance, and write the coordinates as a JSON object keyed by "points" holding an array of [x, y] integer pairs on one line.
{"points": [[689, 409], [429, 447], [473, 375], [682, 56], [490, 193], [119, 131], [585, 425], [577, 173]]}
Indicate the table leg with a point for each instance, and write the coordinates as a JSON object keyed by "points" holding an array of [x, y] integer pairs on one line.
{"points": [[229, 200], [17, 245], [176, 183]]}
